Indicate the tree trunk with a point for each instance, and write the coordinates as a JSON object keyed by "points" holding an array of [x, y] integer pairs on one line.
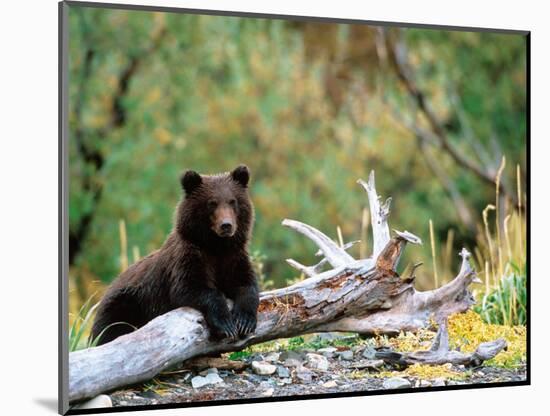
{"points": [[365, 296]]}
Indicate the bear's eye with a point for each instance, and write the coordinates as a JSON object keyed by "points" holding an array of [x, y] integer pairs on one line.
{"points": [[212, 203], [233, 202]]}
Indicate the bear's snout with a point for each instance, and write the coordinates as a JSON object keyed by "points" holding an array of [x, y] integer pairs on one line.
{"points": [[225, 222], [226, 228]]}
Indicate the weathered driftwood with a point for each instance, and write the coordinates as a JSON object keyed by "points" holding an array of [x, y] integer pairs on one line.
{"points": [[440, 353], [365, 296]]}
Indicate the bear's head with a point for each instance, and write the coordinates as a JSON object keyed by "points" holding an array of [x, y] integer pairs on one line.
{"points": [[216, 209]]}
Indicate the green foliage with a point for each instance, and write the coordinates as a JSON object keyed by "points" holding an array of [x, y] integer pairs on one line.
{"points": [[299, 343], [315, 342], [296, 343], [303, 104], [507, 304], [239, 355]]}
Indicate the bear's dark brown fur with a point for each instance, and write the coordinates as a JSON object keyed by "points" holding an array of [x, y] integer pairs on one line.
{"points": [[203, 262]]}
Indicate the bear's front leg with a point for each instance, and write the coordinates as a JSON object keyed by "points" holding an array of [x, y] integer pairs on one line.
{"points": [[213, 305], [246, 297], [245, 310]]}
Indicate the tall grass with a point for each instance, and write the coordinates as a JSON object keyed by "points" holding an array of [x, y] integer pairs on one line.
{"points": [[506, 304], [500, 256], [365, 220], [80, 329], [434, 261], [86, 289]]}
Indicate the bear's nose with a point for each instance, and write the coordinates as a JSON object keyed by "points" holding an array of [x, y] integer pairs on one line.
{"points": [[226, 227]]}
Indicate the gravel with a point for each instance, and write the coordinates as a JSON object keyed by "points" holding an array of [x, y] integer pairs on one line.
{"points": [[306, 375]]}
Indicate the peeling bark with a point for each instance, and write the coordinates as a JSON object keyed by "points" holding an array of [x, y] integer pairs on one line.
{"points": [[365, 296]]}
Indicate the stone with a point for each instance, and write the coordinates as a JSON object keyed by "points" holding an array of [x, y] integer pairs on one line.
{"points": [[425, 383], [369, 353], [304, 375], [208, 371], [253, 378], [283, 371], [327, 352], [345, 355], [330, 384], [396, 383], [263, 368], [438, 382], [289, 354], [268, 392], [317, 361], [244, 382], [272, 357], [264, 385], [99, 401], [291, 362], [200, 381]]}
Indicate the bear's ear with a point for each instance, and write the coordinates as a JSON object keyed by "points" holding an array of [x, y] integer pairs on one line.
{"points": [[190, 181], [241, 175]]}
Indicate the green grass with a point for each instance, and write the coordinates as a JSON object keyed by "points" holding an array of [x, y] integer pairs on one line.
{"points": [[239, 355], [506, 305], [306, 342], [81, 327]]}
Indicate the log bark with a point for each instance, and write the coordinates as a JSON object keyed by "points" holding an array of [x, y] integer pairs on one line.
{"points": [[365, 296]]}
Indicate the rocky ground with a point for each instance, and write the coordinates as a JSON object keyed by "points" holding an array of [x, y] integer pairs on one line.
{"points": [[296, 372]]}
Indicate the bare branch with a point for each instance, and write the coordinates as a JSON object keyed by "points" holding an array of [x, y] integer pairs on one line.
{"points": [[398, 59], [440, 353], [334, 254], [379, 215], [389, 258]]}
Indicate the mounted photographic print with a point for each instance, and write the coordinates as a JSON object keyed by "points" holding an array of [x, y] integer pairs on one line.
{"points": [[264, 208]]}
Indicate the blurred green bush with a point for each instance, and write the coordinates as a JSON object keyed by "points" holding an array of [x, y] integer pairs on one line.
{"points": [[308, 106]]}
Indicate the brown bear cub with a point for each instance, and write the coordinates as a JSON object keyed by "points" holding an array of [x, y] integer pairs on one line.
{"points": [[203, 262]]}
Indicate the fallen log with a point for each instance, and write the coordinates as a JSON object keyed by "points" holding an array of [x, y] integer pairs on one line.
{"points": [[365, 296]]}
